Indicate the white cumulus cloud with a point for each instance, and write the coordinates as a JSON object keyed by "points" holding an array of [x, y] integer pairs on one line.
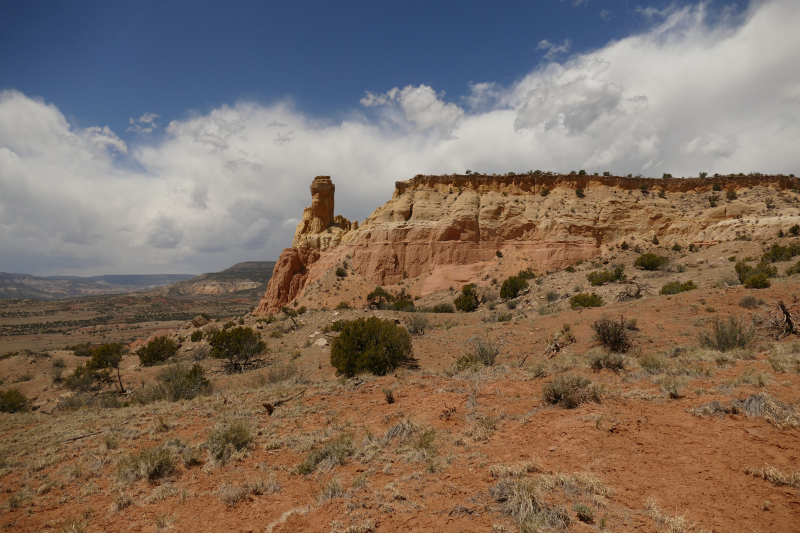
{"points": [[686, 96]]}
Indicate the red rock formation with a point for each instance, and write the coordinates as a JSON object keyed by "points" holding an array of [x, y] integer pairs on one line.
{"points": [[433, 223]]}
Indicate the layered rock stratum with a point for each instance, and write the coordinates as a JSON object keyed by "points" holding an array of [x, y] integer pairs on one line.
{"points": [[454, 226]]}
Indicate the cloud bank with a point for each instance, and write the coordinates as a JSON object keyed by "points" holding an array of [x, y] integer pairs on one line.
{"points": [[686, 96]]}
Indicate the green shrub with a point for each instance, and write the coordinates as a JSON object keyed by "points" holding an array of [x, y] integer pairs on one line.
{"points": [[106, 356], [761, 271], [606, 276], [585, 300], [467, 301], [157, 351], [570, 391], [371, 345], [526, 274], [613, 334], [779, 253], [545, 191], [379, 298], [197, 336], [676, 287], [795, 230], [650, 261], [716, 187], [417, 324], [405, 306], [584, 512], [551, 296], [443, 308], [731, 195], [499, 254], [85, 379], [81, 350], [653, 363], [725, 336], [794, 269], [713, 200], [757, 281], [14, 401], [341, 272], [238, 347], [343, 305], [579, 192], [624, 245], [227, 439], [512, 287]]}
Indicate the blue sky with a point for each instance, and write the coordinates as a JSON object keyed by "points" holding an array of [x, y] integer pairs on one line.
{"points": [[103, 62], [166, 137]]}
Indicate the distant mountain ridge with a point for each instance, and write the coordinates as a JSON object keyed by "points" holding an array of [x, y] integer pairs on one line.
{"points": [[13, 286], [245, 277]]}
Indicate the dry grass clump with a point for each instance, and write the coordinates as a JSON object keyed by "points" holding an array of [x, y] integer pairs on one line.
{"points": [[763, 405], [484, 427], [613, 334], [516, 470], [672, 386], [228, 441], [232, 495], [334, 452], [521, 499], [775, 476], [612, 361], [331, 490], [150, 464], [122, 501], [654, 363], [673, 524], [570, 391]]}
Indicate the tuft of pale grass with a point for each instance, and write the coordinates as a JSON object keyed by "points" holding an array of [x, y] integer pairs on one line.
{"points": [[484, 427], [673, 524], [515, 470], [775, 476], [331, 490]]}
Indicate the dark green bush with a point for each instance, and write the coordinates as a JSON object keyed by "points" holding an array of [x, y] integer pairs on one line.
{"points": [[570, 391], [779, 253], [81, 350], [726, 336], [157, 351], [545, 191], [197, 336], [467, 301], [371, 345], [731, 195], [650, 261], [624, 245], [341, 272], [758, 274], [526, 274], [795, 230], [676, 247], [379, 298], [612, 361], [14, 401], [606, 276], [758, 281], [794, 269], [579, 192], [86, 379], [405, 306], [238, 347], [512, 287], [716, 187], [676, 287], [585, 300], [613, 334], [343, 305], [105, 356]]}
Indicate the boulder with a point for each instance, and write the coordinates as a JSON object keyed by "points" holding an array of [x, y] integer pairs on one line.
{"points": [[199, 321]]}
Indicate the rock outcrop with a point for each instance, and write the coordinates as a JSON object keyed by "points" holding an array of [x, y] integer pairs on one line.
{"points": [[440, 222]]}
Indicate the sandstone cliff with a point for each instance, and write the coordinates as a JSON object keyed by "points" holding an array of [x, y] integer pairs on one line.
{"points": [[443, 223]]}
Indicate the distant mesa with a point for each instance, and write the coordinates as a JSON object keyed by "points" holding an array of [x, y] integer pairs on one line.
{"points": [[451, 227]]}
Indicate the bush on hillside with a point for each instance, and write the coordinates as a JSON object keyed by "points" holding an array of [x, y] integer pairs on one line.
{"points": [[467, 301], [238, 347], [197, 336], [613, 334], [725, 336], [14, 401], [676, 287], [755, 277], [157, 351], [585, 300], [379, 298], [778, 253], [651, 261], [371, 345], [512, 287], [570, 391], [443, 308], [606, 276]]}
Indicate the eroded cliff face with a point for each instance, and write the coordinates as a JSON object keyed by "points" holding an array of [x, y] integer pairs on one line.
{"points": [[435, 222]]}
